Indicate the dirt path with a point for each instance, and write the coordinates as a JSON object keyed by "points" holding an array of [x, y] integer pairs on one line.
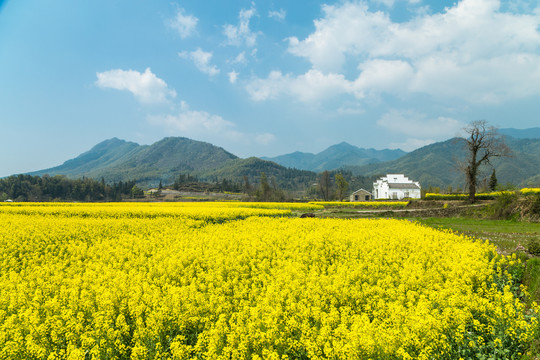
{"points": [[418, 210]]}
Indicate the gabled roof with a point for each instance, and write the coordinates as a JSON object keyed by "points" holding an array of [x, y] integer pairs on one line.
{"points": [[403, 186], [361, 190]]}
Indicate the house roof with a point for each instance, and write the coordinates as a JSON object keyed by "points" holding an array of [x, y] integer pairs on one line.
{"points": [[403, 186], [360, 190]]}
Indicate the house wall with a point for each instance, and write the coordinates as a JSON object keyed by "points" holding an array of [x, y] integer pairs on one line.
{"points": [[360, 196], [399, 194], [382, 190]]}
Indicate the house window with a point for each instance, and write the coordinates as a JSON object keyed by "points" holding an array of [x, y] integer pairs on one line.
{"points": [[355, 197], [367, 197], [394, 195], [406, 194]]}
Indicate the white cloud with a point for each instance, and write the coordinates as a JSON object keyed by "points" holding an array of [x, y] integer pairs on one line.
{"points": [[344, 30], [241, 34], [313, 85], [473, 51], [414, 124], [411, 144], [206, 126], [201, 59], [197, 124], [233, 76], [278, 15], [390, 3], [265, 138], [351, 109], [146, 87], [239, 59], [184, 24], [378, 75], [189, 121]]}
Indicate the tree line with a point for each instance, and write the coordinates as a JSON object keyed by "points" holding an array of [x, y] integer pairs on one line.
{"points": [[59, 187], [187, 182]]}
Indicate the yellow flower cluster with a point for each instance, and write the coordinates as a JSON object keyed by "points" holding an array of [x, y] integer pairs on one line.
{"points": [[156, 282], [209, 211], [526, 191], [361, 204], [490, 195], [196, 210]]}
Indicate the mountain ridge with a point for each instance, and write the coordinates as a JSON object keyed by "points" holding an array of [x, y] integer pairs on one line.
{"points": [[437, 164], [530, 133], [120, 160], [117, 160], [335, 157]]}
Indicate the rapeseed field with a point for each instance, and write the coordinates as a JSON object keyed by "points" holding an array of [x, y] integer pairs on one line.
{"points": [[246, 281]]}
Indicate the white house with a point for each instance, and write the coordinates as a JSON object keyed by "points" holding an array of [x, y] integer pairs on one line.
{"points": [[360, 195], [396, 187]]}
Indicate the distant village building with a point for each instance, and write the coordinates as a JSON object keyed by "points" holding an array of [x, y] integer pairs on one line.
{"points": [[360, 195], [396, 187]]}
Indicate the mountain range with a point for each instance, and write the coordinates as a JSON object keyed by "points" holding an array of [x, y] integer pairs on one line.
{"points": [[530, 133], [438, 164], [117, 160], [335, 157]]}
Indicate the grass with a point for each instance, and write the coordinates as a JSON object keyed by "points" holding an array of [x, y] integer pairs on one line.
{"points": [[506, 234], [350, 213], [532, 281]]}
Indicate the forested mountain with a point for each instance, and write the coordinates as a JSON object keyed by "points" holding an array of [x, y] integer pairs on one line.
{"points": [[116, 160], [531, 133], [285, 178], [438, 164], [336, 156]]}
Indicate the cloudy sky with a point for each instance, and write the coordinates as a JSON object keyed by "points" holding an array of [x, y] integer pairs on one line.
{"points": [[260, 78]]}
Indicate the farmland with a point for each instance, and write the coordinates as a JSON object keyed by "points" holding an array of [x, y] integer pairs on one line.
{"points": [[248, 281]]}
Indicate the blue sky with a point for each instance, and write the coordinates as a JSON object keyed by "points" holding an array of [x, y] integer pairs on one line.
{"points": [[260, 78]]}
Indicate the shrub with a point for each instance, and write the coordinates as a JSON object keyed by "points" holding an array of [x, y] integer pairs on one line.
{"points": [[534, 247], [505, 205]]}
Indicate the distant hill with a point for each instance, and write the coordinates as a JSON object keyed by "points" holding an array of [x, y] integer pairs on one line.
{"points": [[106, 154], [336, 156], [117, 160], [436, 164], [531, 133], [286, 178]]}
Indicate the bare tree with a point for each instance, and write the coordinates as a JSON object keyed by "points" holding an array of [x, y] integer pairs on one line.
{"points": [[483, 143], [324, 185], [342, 185]]}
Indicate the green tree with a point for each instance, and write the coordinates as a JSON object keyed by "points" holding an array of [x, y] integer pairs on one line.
{"points": [[136, 192], [342, 186], [493, 181]]}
